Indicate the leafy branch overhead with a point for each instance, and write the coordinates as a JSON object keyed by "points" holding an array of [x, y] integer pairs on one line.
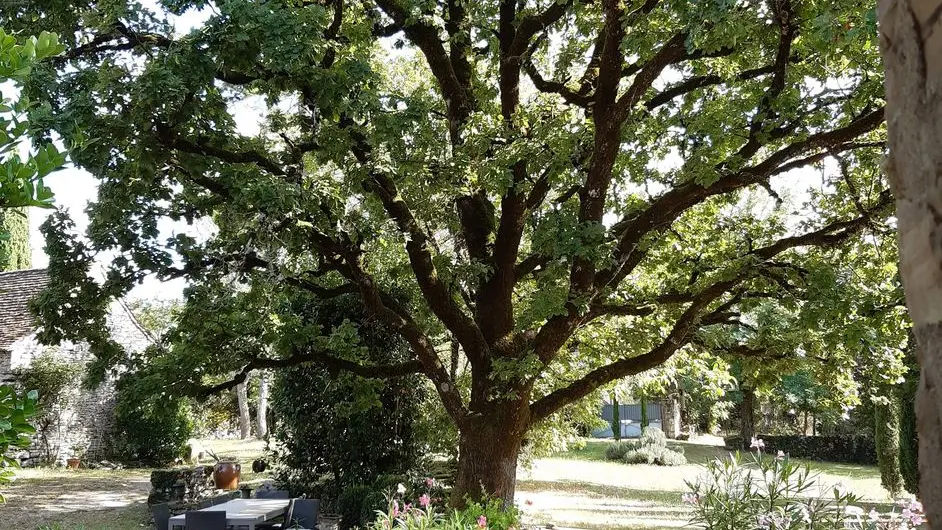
{"points": [[504, 175]]}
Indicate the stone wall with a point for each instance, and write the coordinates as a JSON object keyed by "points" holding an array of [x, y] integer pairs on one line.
{"points": [[88, 419]]}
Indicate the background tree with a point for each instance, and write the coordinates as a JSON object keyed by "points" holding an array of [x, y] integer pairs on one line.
{"points": [[887, 440], [911, 47], [516, 173], [908, 435], [15, 253]]}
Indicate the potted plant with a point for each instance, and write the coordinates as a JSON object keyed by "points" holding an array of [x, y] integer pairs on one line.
{"points": [[78, 451], [227, 472]]}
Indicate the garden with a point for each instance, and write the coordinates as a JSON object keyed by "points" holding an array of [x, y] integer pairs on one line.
{"points": [[506, 265]]}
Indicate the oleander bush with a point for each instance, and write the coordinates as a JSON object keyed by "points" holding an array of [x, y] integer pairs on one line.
{"points": [[775, 493]]}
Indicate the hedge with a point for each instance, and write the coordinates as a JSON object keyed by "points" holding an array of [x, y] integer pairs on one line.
{"points": [[842, 449]]}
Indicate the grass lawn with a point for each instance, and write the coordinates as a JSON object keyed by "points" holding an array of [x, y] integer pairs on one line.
{"points": [[61, 499], [580, 489]]}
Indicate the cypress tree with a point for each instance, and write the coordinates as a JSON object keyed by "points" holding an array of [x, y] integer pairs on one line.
{"points": [[616, 418], [886, 435], [14, 240], [644, 412], [908, 437]]}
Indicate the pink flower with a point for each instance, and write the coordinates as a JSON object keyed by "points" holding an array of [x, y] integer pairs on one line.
{"points": [[690, 498], [757, 443], [482, 522], [430, 482], [528, 502], [424, 501], [407, 507], [395, 508]]}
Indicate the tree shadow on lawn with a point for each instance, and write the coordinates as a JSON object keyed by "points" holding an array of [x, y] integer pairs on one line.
{"points": [[578, 504], [41, 495]]}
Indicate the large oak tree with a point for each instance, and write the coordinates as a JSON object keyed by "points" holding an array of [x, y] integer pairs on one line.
{"points": [[498, 176]]}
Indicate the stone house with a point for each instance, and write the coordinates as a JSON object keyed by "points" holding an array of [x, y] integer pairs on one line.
{"points": [[87, 416]]}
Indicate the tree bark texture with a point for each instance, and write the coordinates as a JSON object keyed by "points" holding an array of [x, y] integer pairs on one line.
{"points": [[261, 415], [487, 456], [911, 42], [245, 420]]}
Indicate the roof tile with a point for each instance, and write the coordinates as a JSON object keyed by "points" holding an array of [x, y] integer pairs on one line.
{"points": [[17, 288]]}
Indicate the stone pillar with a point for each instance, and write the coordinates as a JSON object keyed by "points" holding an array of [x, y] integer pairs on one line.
{"points": [[670, 417]]}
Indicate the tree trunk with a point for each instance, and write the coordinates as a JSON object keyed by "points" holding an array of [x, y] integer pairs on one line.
{"points": [[487, 457], [245, 420], [747, 421], [911, 43], [261, 415]]}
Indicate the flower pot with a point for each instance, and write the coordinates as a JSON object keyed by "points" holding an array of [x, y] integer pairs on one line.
{"points": [[226, 475], [73, 463]]}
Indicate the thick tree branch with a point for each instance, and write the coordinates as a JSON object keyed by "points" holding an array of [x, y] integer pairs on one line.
{"points": [[676, 339], [425, 36], [333, 364], [662, 211], [434, 290], [201, 146]]}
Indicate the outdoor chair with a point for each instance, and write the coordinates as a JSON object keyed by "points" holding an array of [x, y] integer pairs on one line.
{"points": [[272, 494], [205, 520], [161, 513], [305, 512], [301, 511]]}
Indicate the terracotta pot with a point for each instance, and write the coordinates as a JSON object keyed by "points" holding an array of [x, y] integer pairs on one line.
{"points": [[226, 475], [73, 463]]}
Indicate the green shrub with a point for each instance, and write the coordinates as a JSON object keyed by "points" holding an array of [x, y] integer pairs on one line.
{"points": [[618, 450], [844, 449], [650, 449], [655, 455], [334, 432], [650, 436], [150, 428], [357, 505], [55, 381]]}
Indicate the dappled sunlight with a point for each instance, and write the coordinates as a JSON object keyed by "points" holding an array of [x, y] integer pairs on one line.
{"points": [[42, 494]]}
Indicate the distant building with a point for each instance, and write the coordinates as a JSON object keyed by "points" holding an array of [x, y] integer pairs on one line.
{"points": [[664, 415], [88, 416]]}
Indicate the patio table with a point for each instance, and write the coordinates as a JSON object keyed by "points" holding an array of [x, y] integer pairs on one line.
{"points": [[242, 513]]}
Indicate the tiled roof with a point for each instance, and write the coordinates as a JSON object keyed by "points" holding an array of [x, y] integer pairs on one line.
{"points": [[16, 290]]}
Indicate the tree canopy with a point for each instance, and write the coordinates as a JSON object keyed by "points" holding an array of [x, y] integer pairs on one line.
{"points": [[567, 192]]}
